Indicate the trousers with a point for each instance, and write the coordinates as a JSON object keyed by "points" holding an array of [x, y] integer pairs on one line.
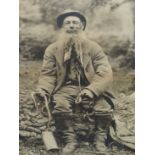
{"points": [[65, 98]]}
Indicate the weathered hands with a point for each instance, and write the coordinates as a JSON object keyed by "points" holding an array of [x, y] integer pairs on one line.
{"points": [[84, 95]]}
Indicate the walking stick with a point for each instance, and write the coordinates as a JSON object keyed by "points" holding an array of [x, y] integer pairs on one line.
{"points": [[47, 135]]}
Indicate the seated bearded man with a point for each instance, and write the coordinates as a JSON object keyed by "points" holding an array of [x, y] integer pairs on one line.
{"points": [[74, 69]]}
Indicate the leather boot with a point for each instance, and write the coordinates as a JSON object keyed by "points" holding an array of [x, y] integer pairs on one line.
{"points": [[69, 136], [102, 126], [70, 142], [100, 142]]}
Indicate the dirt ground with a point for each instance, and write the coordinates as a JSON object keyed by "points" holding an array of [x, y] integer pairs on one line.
{"points": [[123, 89]]}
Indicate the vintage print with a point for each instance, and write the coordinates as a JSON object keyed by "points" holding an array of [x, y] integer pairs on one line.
{"points": [[77, 71]]}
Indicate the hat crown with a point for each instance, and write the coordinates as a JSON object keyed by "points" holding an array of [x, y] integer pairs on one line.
{"points": [[70, 12]]}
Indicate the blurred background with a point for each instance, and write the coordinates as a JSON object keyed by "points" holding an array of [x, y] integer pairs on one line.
{"points": [[109, 22]]}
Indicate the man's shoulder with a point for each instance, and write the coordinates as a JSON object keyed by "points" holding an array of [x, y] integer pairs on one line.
{"points": [[92, 44], [51, 48], [52, 45]]}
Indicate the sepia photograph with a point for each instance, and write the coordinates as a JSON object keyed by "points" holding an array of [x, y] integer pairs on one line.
{"points": [[77, 77]]}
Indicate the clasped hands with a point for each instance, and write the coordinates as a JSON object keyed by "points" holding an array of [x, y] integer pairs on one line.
{"points": [[85, 96]]}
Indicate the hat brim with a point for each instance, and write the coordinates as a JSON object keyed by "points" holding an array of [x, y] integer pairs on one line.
{"points": [[61, 18]]}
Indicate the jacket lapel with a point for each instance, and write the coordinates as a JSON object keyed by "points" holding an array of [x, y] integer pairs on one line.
{"points": [[61, 69], [86, 59]]}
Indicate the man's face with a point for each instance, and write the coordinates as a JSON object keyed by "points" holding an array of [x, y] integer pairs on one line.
{"points": [[72, 25]]}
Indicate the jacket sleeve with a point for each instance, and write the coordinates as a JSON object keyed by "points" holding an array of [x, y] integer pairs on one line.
{"points": [[103, 73], [47, 77]]}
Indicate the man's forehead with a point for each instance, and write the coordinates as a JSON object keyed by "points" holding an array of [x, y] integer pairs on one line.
{"points": [[72, 18]]}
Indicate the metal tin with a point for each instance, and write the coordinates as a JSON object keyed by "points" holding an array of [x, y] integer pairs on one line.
{"points": [[49, 141]]}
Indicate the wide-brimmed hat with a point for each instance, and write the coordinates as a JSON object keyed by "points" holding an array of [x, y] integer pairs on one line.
{"points": [[67, 13]]}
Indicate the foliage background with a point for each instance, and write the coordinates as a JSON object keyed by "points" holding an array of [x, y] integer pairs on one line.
{"points": [[109, 22]]}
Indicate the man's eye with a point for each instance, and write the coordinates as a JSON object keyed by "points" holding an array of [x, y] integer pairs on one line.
{"points": [[67, 22], [75, 22]]}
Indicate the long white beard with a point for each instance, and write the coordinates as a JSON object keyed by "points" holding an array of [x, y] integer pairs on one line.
{"points": [[70, 39]]}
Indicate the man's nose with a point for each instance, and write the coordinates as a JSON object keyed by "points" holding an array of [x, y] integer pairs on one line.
{"points": [[71, 26]]}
